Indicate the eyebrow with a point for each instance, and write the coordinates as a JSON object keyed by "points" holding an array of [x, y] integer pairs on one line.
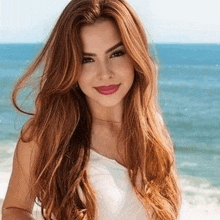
{"points": [[107, 51]]}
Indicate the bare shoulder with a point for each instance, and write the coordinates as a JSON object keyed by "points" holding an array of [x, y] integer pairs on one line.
{"points": [[18, 192]]}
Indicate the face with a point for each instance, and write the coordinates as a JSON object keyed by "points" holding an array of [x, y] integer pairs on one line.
{"points": [[105, 63]]}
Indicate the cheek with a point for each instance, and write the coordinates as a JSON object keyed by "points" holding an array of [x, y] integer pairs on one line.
{"points": [[124, 67], [128, 67], [86, 75], [82, 80], [124, 62]]}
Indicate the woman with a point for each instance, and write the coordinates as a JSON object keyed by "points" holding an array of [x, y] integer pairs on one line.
{"points": [[96, 146]]}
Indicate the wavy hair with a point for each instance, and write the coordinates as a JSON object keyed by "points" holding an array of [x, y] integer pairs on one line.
{"points": [[61, 121]]}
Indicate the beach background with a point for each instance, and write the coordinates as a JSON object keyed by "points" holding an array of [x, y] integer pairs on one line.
{"points": [[189, 93], [185, 38]]}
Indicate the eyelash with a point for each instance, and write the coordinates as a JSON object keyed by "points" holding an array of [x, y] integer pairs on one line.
{"points": [[115, 54], [121, 52], [86, 60]]}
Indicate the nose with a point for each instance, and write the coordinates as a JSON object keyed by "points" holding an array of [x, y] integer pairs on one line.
{"points": [[104, 70]]}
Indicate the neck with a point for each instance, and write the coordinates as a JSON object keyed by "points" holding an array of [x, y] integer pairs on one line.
{"points": [[106, 114], [104, 120]]}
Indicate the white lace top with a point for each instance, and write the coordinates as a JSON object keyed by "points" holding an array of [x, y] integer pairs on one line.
{"points": [[115, 196]]}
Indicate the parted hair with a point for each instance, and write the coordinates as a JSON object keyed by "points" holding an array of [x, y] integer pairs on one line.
{"points": [[61, 121]]}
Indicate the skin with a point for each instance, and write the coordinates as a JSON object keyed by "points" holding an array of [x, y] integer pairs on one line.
{"points": [[105, 68], [18, 203], [102, 67]]}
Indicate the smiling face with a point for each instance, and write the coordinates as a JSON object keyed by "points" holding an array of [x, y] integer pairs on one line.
{"points": [[105, 62]]}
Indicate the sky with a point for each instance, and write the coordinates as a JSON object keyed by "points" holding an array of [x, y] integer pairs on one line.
{"points": [[166, 21]]}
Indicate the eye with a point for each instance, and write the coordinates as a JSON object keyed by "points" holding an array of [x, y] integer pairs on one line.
{"points": [[87, 60], [118, 53]]}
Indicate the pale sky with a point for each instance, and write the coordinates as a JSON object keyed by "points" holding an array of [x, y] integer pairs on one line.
{"points": [[177, 21]]}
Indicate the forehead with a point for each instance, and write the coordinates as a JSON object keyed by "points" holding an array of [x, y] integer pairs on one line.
{"points": [[100, 35]]}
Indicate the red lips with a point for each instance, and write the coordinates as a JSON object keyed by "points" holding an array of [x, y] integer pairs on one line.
{"points": [[107, 88]]}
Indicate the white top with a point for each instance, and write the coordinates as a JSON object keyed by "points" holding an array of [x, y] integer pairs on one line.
{"points": [[115, 196]]}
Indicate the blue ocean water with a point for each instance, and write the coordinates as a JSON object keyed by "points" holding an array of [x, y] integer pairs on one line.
{"points": [[189, 93]]}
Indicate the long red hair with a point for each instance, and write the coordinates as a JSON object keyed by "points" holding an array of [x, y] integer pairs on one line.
{"points": [[61, 121]]}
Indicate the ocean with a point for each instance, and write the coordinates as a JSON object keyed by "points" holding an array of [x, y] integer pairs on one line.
{"points": [[189, 94]]}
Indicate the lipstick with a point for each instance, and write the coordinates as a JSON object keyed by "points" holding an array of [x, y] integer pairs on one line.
{"points": [[107, 90]]}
